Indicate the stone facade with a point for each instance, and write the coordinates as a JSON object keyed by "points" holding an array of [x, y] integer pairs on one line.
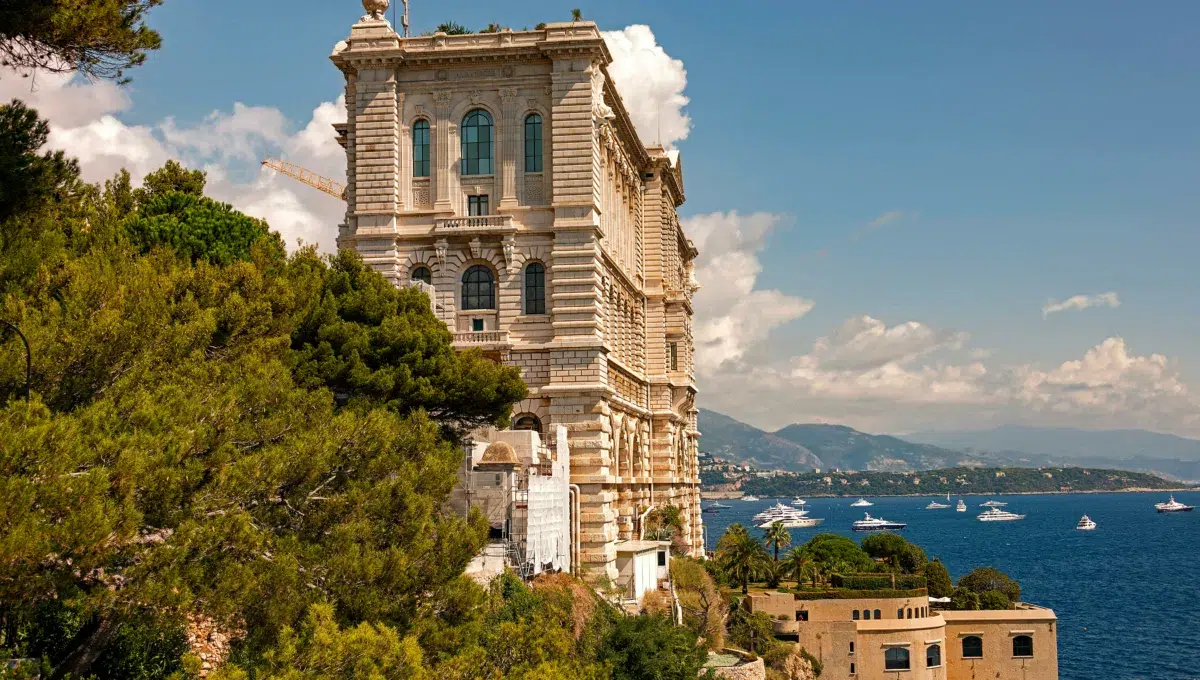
{"points": [[609, 355], [852, 637]]}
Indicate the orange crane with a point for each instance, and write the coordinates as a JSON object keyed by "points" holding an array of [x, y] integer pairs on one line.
{"points": [[308, 177]]}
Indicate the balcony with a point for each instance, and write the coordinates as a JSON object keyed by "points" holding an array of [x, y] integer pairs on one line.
{"points": [[485, 340], [486, 224]]}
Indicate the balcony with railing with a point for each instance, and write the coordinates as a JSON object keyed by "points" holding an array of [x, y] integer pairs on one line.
{"points": [[481, 339], [482, 224]]}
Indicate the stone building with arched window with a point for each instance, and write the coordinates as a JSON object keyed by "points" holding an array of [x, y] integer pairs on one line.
{"points": [[501, 173]]}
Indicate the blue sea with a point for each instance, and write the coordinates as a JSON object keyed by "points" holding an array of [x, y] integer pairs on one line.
{"points": [[1127, 595]]}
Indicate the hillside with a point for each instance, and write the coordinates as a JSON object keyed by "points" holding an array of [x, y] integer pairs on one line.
{"points": [[736, 441], [1067, 443], [848, 449], [958, 480]]}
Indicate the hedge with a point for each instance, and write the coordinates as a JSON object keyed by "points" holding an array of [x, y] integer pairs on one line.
{"points": [[877, 581], [858, 594]]}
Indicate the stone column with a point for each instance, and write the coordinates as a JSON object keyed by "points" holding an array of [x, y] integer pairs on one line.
{"points": [[443, 156], [510, 144]]}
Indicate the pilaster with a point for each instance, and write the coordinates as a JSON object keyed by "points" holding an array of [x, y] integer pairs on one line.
{"points": [[510, 144], [443, 155]]}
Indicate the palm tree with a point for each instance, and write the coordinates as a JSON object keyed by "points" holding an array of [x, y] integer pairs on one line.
{"points": [[576, 15], [742, 558], [779, 537], [801, 565]]}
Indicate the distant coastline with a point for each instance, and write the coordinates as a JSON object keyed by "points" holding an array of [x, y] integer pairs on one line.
{"points": [[737, 495]]}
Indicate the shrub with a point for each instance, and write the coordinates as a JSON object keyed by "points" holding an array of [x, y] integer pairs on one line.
{"points": [[878, 581], [938, 578], [994, 599], [964, 600], [984, 579]]}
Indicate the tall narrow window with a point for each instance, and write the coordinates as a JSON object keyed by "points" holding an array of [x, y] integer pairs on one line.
{"points": [[933, 656], [533, 143], [422, 274], [878, 615], [866, 615], [476, 143], [535, 288], [895, 659], [854, 615], [972, 647], [477, 206], [1023, 645], [420, 136], [478, 288], [673, 351]]}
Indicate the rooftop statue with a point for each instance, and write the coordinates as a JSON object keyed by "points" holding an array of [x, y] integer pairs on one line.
{"points": [[376, 9]]}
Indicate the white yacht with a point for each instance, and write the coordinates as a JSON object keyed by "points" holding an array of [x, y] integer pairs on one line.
{"points": [[720, 506], [861, 503], [794, 522], [777, 510], [934, 505], [994, 514], [791, 518], [992, 504], [962, 506], [1086, 524], [752, 499], [799, 501], [870, 523], [1173, 506]]}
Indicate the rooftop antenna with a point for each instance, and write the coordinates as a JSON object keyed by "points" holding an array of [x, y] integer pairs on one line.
{"points": [[406, 34]]}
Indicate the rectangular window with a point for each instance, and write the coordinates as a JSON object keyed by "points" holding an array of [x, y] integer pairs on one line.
{"points": [[851, 647], [420, 133], [533, 143], [477, 325], [851, 668], [662, 558], [477, 206], [673, 352]]}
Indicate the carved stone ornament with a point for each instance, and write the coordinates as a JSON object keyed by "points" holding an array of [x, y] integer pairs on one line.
{"points": [[508, 94], [476, 96], [439, 249], [376, 9], [441, 74], [441, 99], [508, 71], [421, 110], [510, 253], [476, 247]]}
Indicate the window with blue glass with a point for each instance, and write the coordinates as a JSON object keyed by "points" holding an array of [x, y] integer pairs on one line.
{"points": [[895, 659], [420, 135], [535, 288], [422, 274], [477, 206], [478, 288], [533, 143], [477, 143]]}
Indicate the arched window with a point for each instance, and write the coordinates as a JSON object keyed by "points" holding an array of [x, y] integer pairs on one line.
{"points": [[895, 659], [909, 612], [854, 615], [1023, 645], [533, 143], [476, 143], [478, 288], [972, 647], [422, 274], [900, 613], [527, 421], [866, 615], [420, 139], [535, 288], [878, 614], [933, 656]]}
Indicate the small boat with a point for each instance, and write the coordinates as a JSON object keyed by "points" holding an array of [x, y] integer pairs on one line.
{"points": [[962, 506], [1086, 524], [1173, 506], [998, 515], [861, 503], [934, 505], [720, 506], [799, 501], [750, 498], [992, 504], [870, 523], [711, 510]]}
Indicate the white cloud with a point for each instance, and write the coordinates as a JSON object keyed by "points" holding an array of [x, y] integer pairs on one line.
{"points": [[227, 145], [733, 317], [1081, 302], [651, 84]]}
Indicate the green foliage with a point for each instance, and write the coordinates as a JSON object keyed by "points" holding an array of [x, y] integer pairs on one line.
{"points": [[372, 343], [171, 178], [777, 536], [813, 661], [196, 227], [938, 578], [896, 552], [704, 609], [28, 178], [753, 632], [994, 599], [800, 566], [576, 15], [741, 558], [99, 38], [651, 647], [984, 579], [878, 581], [453, 28], [838, 554], [963, 599]]}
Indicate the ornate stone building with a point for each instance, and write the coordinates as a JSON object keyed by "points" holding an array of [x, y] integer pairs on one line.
{"points": [[502, 172]]}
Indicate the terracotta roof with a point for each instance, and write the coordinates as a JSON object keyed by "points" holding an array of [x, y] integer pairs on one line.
{"points": [[499, 453]]}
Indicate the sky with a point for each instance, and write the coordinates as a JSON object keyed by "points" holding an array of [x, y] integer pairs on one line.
{"points": [[930, 215]]}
